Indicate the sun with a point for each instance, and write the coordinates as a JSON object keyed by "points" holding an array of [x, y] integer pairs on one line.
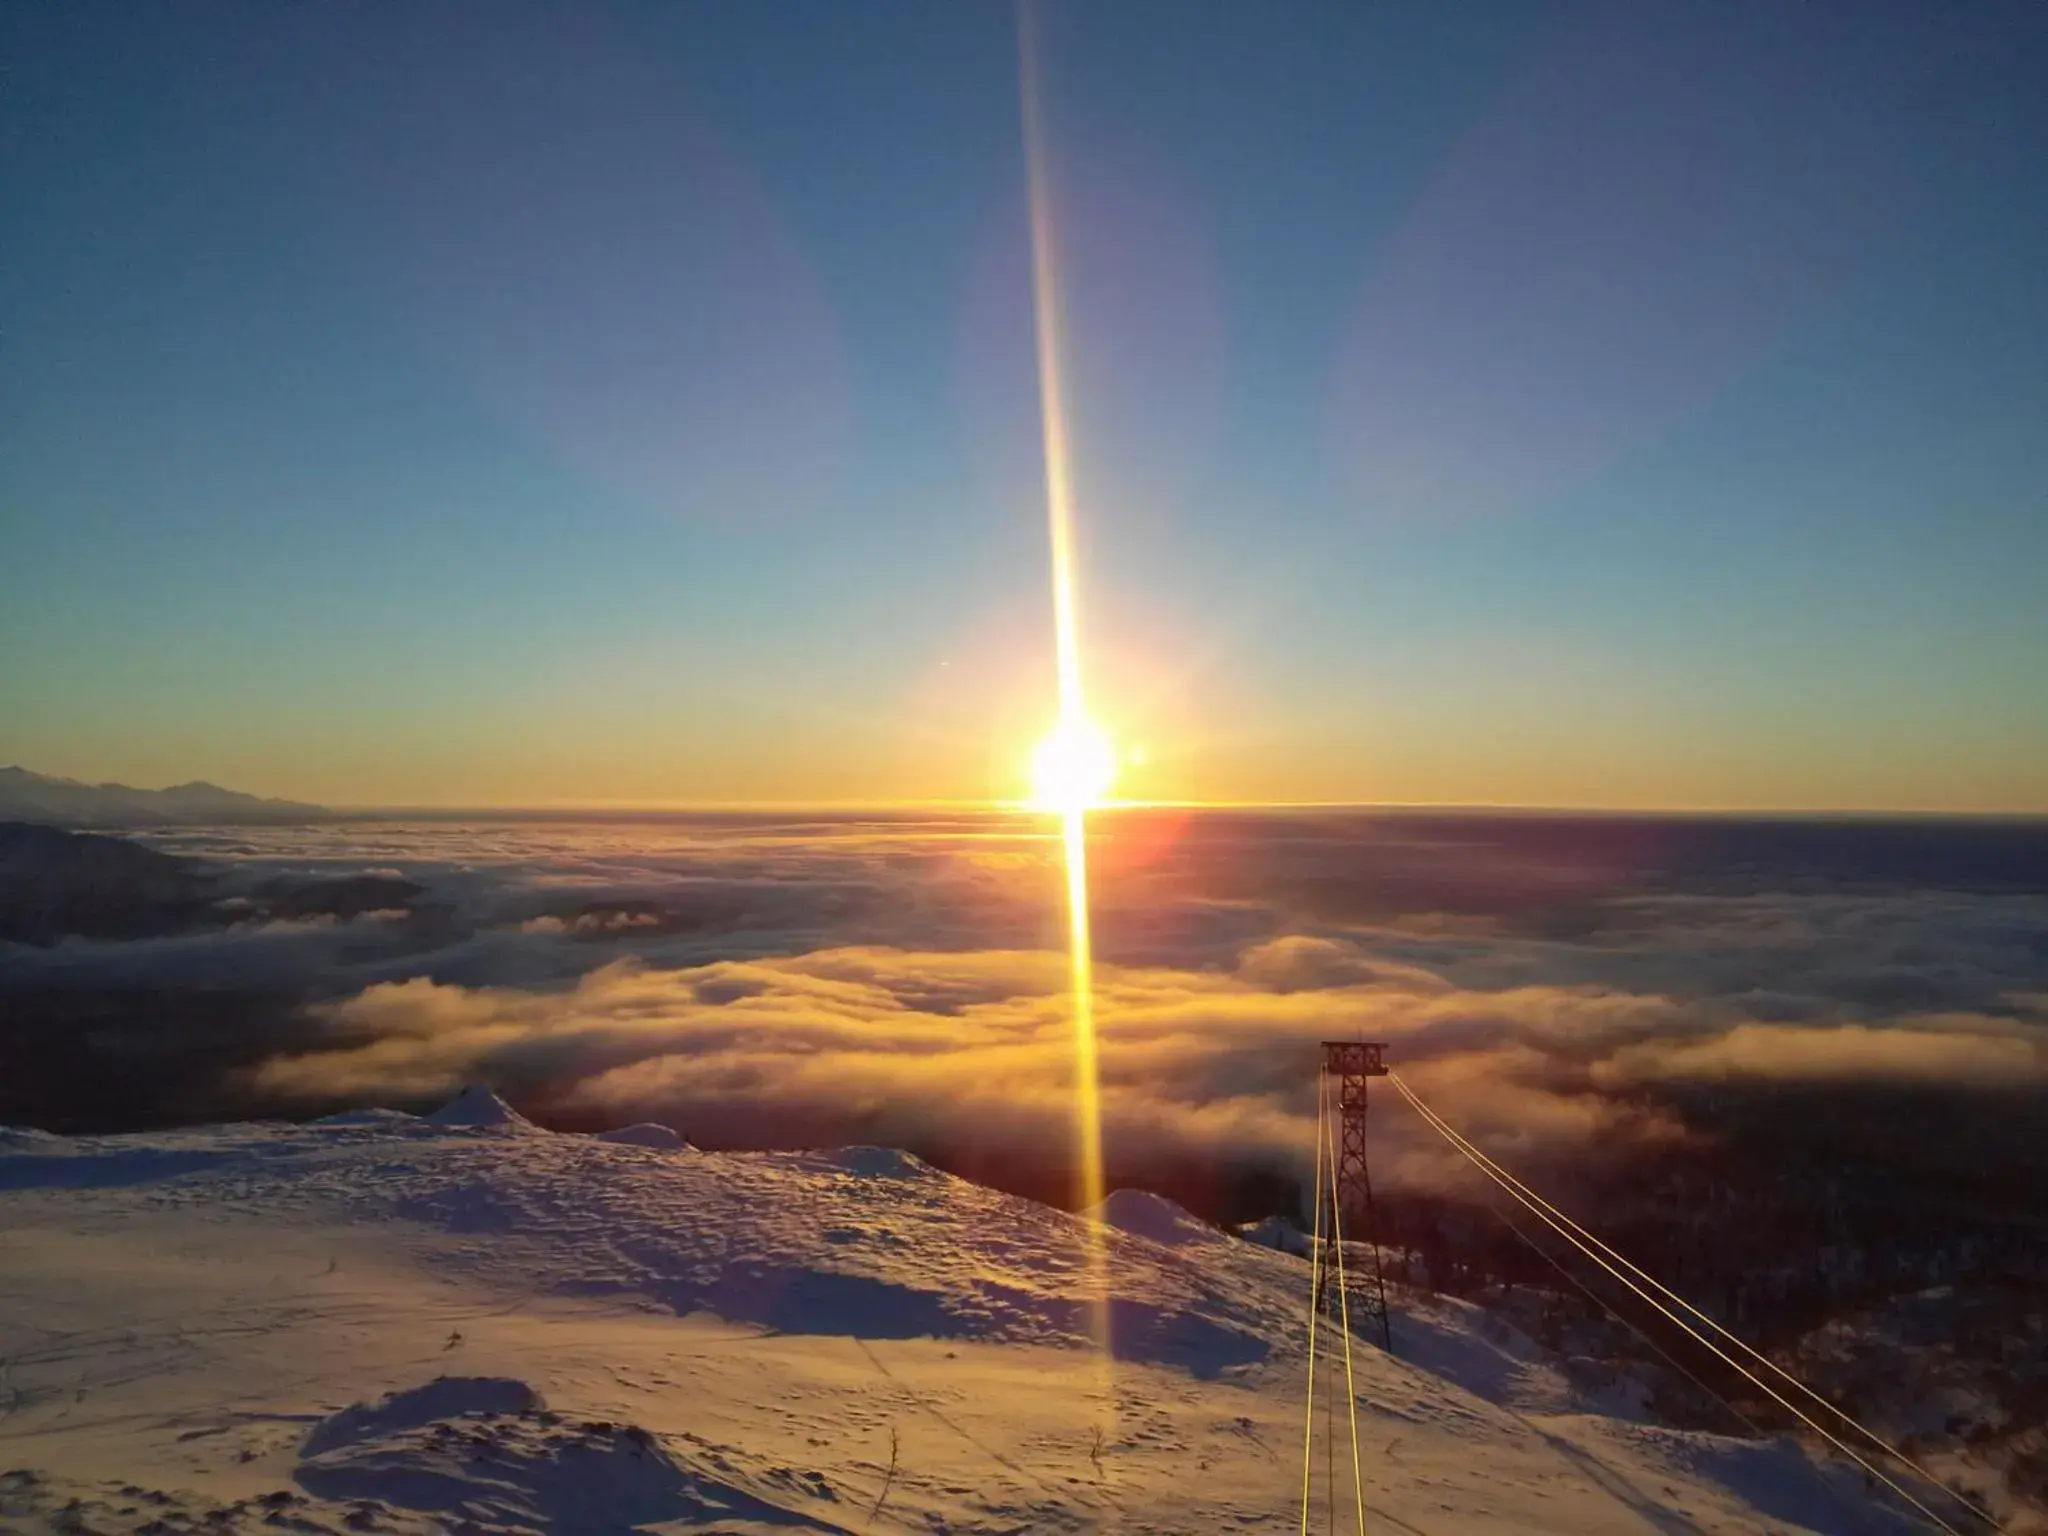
{"points": [[1072, 768]]}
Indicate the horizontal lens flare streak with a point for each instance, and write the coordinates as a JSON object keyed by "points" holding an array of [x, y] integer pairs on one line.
{"points": [[1075, 763]]}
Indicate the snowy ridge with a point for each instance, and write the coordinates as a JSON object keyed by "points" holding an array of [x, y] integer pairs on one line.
{"points": [[402, 1325]]}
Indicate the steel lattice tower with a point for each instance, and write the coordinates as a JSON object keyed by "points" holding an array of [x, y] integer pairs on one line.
{"points": [[1352, 1065]]}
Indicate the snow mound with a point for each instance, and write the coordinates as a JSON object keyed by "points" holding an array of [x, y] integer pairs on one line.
{"points": [[387, 1118], [876, 1163], [445, 1397], [485, 1453], [26, 1136], [645, 1134], [476, 1105], [1144, 1214], [1278, 1233]]}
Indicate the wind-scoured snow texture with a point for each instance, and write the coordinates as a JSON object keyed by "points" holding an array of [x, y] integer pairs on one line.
{"points": [[411, 1327]]}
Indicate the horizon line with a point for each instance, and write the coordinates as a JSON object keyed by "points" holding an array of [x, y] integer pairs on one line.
{"points": [[990, 806]]}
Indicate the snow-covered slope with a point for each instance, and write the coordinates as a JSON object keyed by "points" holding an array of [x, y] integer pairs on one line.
{"points": [[385, 1324]]}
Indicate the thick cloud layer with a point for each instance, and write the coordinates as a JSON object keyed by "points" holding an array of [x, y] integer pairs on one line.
{"points": [[969, 1053], [1556, 987]]}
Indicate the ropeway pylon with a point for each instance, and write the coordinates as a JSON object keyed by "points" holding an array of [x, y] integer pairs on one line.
{"points": [[1350, 1065]]}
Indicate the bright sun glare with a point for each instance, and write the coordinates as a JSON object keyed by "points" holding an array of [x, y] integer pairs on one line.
{"points": [[1072, 768]]}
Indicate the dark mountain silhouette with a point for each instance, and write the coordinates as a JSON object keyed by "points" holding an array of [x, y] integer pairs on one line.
{"points": [[55, 883], [37, 797]]}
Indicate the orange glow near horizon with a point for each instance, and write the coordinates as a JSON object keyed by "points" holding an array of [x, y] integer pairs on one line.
{"points": [[1074, 765]]}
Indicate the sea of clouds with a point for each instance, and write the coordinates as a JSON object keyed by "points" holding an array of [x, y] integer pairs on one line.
{"points": [[1552, 984]]}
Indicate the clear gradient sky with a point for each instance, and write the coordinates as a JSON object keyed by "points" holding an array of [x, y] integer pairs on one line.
{"points": [[1637, 405]]}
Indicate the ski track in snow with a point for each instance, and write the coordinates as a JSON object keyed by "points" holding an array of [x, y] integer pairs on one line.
{"points": [[390, 1325]]}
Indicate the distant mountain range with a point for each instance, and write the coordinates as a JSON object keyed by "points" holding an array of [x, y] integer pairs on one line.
{"points": [[26, 796]]}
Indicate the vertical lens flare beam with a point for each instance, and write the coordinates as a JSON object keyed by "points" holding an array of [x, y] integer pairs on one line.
{"points": [[1081, 983], [1052, 410], [1059, 511]]}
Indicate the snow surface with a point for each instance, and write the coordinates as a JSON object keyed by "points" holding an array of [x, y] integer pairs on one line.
{"points": [[405, 1326]]}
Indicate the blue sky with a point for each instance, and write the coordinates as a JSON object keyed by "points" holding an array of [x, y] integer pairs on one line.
{"points": [[1627, 405]]}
